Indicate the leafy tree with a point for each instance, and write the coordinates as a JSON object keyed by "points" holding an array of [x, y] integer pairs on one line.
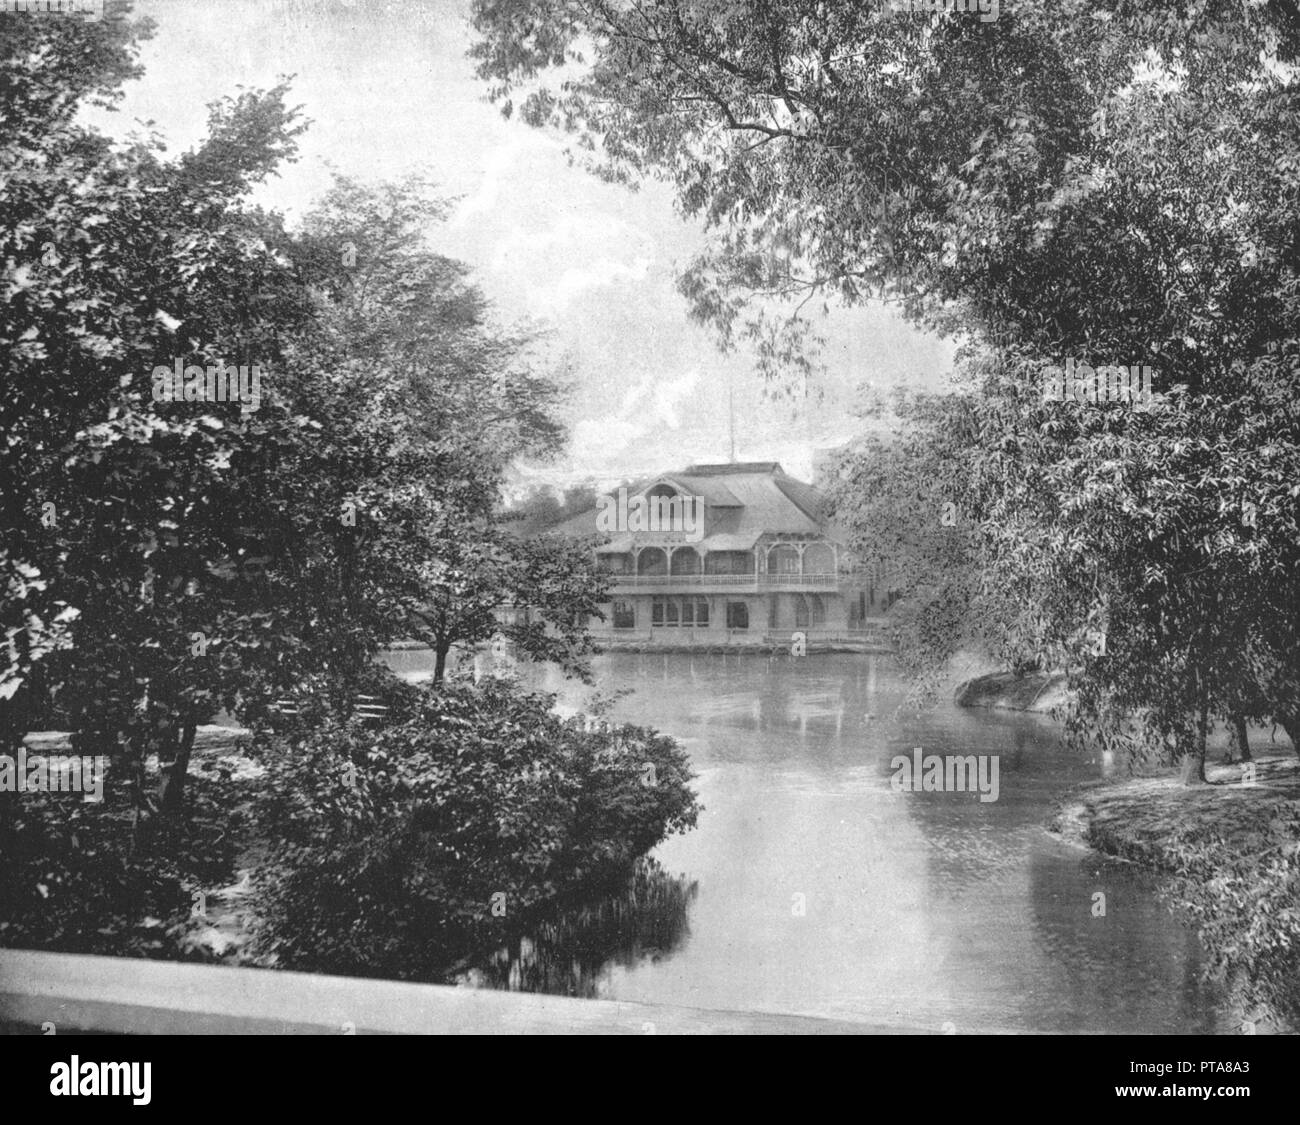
{"points": [[163, 559], [1110, 183], [115, 263], [446, 399]]}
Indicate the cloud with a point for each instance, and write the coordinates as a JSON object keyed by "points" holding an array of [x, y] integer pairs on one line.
{"points": [[629, 440], [560, 257], [551, 299], [499, 162], [669, 395]]}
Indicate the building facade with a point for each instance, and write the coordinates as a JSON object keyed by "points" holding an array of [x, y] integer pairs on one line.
{"points": [[741, 554]]}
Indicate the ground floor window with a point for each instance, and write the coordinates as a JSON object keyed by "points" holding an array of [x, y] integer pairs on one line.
{"points": [[800, 612], [686, 612], [737, 615], [818, 610], [624, 615]]}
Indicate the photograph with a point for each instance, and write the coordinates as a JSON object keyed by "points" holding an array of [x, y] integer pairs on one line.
{"points": [[651, 517]]}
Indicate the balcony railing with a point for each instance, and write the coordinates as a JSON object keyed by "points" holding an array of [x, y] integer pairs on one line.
{"points": [[749, 582]]}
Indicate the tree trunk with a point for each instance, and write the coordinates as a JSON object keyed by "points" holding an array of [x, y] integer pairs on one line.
{"points": [[1291, 724], [133, 769], [1240, 736], [440, 665], [171, 788], [1194, 766]]}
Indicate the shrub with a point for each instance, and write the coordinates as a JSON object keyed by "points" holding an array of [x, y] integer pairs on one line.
{"points": [[395, 852], [1246, 909], [83, 878]]}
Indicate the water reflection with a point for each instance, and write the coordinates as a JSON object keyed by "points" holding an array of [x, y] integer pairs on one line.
{"points": [[573, 952]]}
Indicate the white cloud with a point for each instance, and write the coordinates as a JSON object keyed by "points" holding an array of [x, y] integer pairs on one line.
{"points": [[500, 160], [552, 299], [669, 395]]}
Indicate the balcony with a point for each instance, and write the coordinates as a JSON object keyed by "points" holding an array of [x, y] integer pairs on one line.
{"points": [[724, 583]]}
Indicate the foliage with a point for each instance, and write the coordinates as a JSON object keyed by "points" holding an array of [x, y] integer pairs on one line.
{"points": [[115, 506], [389, 845], [540, 510], [1247, 915], [78, 878], [162, 560], [1113, 183]]}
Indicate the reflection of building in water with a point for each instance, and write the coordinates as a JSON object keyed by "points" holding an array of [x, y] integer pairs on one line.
{"points": [[816, 705], [763, 563]]}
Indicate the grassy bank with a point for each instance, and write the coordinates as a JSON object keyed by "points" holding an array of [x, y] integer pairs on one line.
{"points": [[1231, 855]]}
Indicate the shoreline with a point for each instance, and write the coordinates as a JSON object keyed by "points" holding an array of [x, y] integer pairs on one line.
{"points": [[1133, 817]]}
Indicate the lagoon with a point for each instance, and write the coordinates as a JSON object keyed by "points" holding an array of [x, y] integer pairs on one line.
{"points": [[813, 886]]}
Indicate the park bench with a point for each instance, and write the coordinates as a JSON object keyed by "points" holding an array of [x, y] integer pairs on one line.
{"points": [[367, 708]]}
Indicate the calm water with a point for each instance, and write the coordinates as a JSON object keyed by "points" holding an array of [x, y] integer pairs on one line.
{"points": [[918, 909]]}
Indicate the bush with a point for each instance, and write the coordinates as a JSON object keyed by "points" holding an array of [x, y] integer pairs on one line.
{"points": [[395, 852], [84, 878], [1247, 909]]}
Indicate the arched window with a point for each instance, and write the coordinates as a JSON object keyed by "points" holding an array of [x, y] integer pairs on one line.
{"points": [[686, 560], [667, 509], [652, 561], [783, 560], [819, 558]]}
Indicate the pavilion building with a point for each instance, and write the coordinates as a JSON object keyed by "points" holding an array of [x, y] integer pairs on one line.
{"points": [[759, 562]]}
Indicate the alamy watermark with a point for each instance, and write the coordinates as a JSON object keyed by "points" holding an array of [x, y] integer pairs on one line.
{"points": [[53, 773], [988, 10], [92, 8], [220, 382], [681, 514], [99, 1079], [1081, 383], [949, 773]]}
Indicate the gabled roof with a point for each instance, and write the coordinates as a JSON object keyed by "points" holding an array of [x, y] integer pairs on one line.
{"points": [[759, 498], [715, 493]]}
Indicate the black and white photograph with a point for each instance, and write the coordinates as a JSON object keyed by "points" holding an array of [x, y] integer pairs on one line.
{"points": [[650, 518]]}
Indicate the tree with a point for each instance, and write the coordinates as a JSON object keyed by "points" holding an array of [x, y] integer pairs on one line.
{"points": [[165, 558], [113, 503], [449, 399], [1113, 184]]}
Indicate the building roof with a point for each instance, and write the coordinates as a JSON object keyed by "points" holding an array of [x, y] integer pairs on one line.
{"points": [[734, 467], [715, 493], [753, 498]]}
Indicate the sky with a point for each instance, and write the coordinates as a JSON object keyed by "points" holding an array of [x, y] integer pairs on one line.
{"points": [[389, 90]]}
